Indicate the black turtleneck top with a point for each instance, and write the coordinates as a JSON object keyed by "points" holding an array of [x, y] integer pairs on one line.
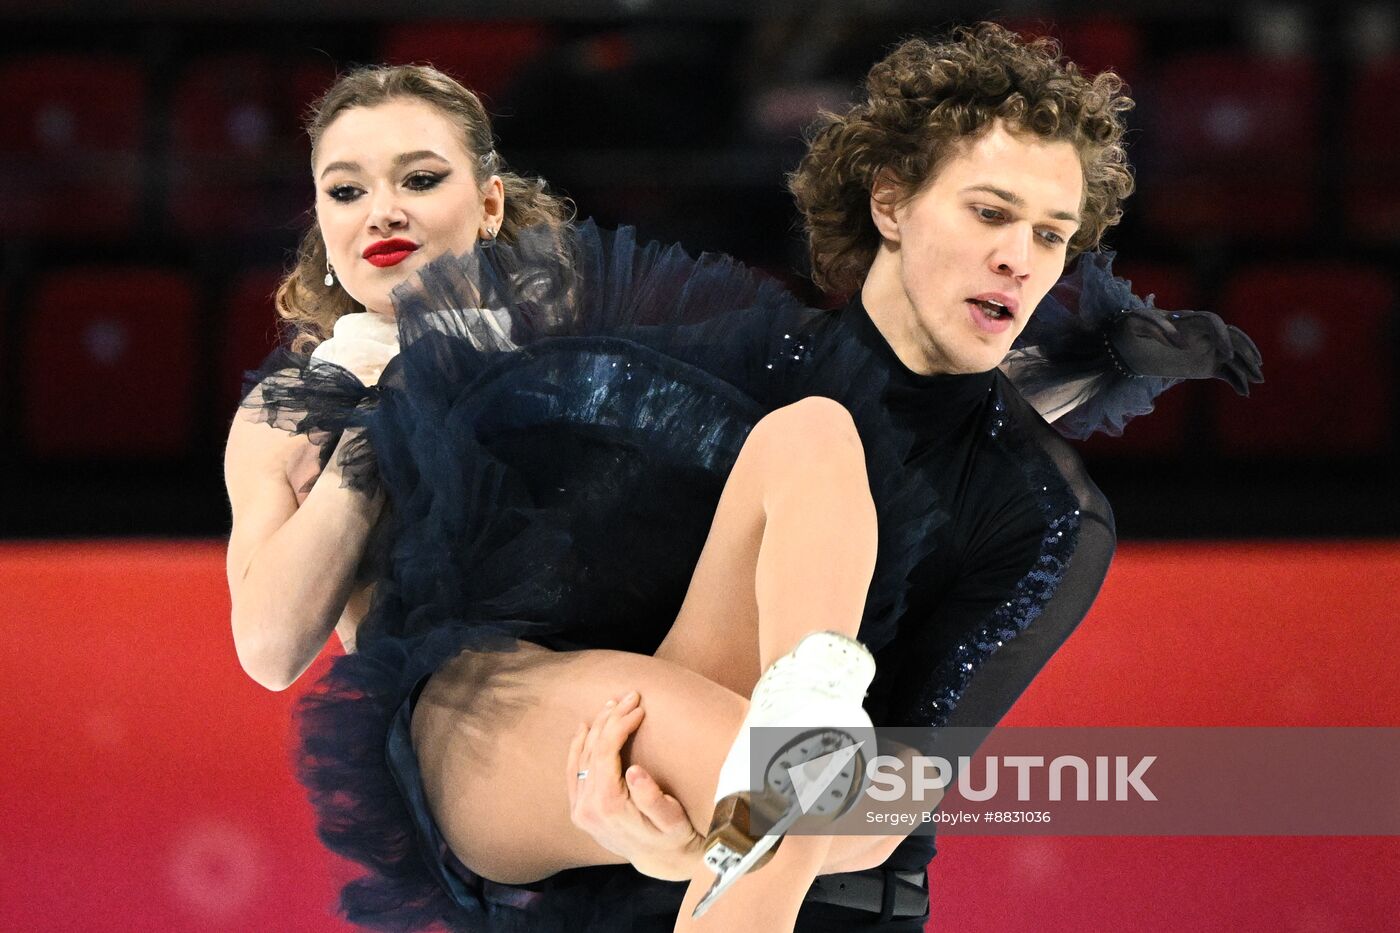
{"points": [[1018, 538], [1009, 573]]}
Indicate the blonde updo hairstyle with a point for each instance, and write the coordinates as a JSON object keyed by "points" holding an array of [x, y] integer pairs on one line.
{"points": [[303, 300], [920, 103]]}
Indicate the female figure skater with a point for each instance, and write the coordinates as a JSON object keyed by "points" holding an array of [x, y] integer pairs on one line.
{"points": [[382, 211], [699, 496]]}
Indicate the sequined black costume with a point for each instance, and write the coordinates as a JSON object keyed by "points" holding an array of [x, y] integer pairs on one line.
{"points": [[614, 391]]}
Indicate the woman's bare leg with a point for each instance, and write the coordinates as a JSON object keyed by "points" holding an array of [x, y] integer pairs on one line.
{"points": [[716, 632], [492, 733], [792, 544]]}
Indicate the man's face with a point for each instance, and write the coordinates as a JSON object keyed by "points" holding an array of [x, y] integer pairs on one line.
{"points": [[992, 227]]}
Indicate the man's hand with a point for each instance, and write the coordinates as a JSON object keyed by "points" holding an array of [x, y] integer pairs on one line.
{"points": [[1185, 345], [632, 816]]}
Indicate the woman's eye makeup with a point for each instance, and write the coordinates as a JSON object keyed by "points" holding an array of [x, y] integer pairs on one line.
{"points": [[417, 181], [423, 181]]}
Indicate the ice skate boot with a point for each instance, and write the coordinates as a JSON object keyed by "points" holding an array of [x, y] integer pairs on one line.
{"points": [[815, 692]]}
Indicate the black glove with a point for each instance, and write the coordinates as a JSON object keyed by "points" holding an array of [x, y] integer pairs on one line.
{"points": [[1183, 345]]}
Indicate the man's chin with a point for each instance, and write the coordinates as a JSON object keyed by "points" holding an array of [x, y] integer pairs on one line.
{"points": [[982, 360]]}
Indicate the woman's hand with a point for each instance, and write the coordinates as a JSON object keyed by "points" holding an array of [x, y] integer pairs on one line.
{"points": [[631, 817], [365, 358], [362, 342]]}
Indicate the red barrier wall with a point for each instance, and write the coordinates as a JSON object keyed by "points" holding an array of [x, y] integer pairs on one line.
{"points": [[146, 781]]}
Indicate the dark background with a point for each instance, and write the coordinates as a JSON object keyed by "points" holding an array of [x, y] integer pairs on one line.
{"points": [[153, 179]]}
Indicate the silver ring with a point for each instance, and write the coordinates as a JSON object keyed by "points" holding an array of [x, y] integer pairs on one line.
{"points": [[582, 775]]}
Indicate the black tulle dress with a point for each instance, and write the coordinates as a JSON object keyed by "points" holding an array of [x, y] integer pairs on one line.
{"points": [[553, 438]]}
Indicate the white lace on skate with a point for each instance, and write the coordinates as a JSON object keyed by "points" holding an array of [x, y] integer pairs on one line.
{"points": [[824, 667]]}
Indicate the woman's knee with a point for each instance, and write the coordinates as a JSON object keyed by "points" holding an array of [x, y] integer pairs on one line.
{"points": [[815, 431], [491, 763], [815, 420], [690, 724]]}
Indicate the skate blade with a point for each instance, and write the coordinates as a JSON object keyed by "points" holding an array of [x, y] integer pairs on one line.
{"points": [[795, 795], [757, 855]]}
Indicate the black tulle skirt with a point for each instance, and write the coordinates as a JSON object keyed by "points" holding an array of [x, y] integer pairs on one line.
{"points": [[552, 439]]}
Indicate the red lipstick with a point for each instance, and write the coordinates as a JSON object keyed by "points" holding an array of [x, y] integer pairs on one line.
{"points": [[386, 253]]}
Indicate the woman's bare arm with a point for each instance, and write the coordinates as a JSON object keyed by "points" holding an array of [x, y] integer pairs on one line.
{"points": [[291, 568]]}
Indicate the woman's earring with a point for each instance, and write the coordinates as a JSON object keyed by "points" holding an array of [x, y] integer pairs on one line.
{"points": [[330, 274], [490, 235]]}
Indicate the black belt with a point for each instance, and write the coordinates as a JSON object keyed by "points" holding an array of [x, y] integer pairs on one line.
{"points": [[891, 894]]}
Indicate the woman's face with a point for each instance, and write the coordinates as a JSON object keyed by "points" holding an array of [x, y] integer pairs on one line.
{"points": [[396, 188], [992, 226]]}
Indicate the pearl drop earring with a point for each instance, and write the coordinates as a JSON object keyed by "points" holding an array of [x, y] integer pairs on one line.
{"points": [[330, 275]]}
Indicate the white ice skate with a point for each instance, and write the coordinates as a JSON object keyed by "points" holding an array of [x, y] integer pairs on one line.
{"points": [[815, 691]]}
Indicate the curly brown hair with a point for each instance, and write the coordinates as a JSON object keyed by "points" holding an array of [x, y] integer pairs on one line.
{"points": [[303, 300], [920, 103]]}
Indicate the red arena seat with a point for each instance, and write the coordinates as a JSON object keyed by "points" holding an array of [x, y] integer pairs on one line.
{"points": [[108, 365], [1232, 146], [1095, 42], [249, 332], [1104, 42], [240, 159], [70, 144], [1325, 333], [1170, 285], [1373, 152], [484, 56]]}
